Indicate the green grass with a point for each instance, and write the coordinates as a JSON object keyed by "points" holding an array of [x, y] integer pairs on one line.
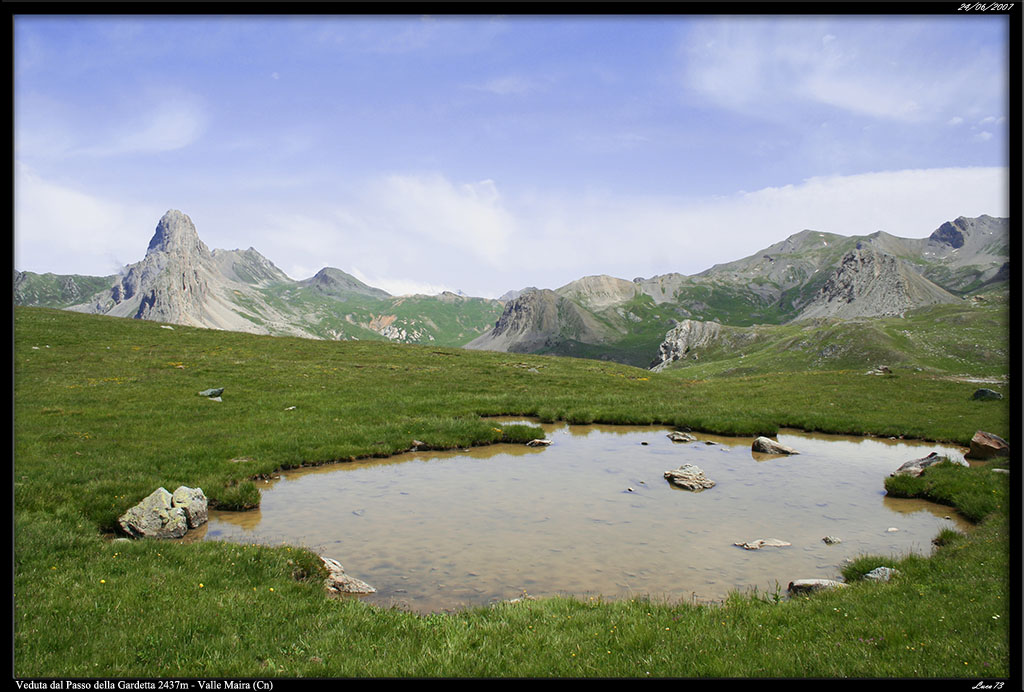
{"points": [[103, 414], [953, 340]]}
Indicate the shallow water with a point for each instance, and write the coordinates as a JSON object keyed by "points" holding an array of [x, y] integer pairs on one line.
{"points": [[592, 515]]}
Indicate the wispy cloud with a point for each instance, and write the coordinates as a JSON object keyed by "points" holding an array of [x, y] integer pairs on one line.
{"points": [[511, 85], [166, 126], [883, 68]]}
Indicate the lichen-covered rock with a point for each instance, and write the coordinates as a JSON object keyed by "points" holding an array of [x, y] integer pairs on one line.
{"points": [[193, 502], [155, 517], [915, 467], [985, 445], [689, 477], [766, 445]]}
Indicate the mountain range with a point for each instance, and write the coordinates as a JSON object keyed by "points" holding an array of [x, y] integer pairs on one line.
{"points": [[811, 275]]}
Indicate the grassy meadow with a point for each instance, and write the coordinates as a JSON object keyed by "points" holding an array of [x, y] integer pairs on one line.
{"points": [[106, 410]]}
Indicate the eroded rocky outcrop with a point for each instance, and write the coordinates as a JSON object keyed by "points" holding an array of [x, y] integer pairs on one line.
{"points": [[682, 339]]}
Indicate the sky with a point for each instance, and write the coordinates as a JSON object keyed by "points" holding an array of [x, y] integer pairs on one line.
{"points": [[484, 154]]}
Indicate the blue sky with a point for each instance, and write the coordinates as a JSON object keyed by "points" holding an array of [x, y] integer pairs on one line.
{"points": [[485, 154]]}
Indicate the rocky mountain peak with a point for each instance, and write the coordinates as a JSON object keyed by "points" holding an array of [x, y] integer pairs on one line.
{"points": [[950, 233], [176, 234]]}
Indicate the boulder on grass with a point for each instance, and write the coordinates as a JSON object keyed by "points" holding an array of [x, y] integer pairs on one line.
{"points": [[915, 467], [155, 517], [986, 394], [808, 586], [193, 502], [985, 445]]}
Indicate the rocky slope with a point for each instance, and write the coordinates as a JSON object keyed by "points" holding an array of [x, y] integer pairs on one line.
{"points": [[871, 283]]}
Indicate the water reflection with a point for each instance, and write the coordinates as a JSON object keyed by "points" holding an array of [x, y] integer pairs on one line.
{"points": [[592, 514]]}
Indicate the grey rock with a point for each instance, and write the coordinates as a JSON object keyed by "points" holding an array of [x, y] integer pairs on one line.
{"points": [[155, 517], [193, 502], [215, 392], [915, 467], [881, 574], [985, 394], [689, 477], [338, 582], [831, 540], [766, 445], [678, 436], [808, 586], [763, 543]]}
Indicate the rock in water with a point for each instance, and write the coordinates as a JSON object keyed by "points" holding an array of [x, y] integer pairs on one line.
{"points": [[766, 445], [155, 517], [193, 503], [338, 582], [763, 543], [985, 445], [689, 477], [678, 436]]}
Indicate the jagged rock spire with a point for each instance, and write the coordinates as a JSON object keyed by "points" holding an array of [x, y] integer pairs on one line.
{"points": [[176, 234]]}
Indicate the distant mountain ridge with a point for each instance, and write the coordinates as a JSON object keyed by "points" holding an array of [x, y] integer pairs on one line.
{"points": [[181, 281], [809, 275]]}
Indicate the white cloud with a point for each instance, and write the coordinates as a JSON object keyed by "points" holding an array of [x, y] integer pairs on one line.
{"points": [[629, 237], [401, 286], [877, 67], [433, 210], [64, 230]]}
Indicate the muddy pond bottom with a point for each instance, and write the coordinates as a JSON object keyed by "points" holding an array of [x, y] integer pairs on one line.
{"points": [[592, 516]]}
